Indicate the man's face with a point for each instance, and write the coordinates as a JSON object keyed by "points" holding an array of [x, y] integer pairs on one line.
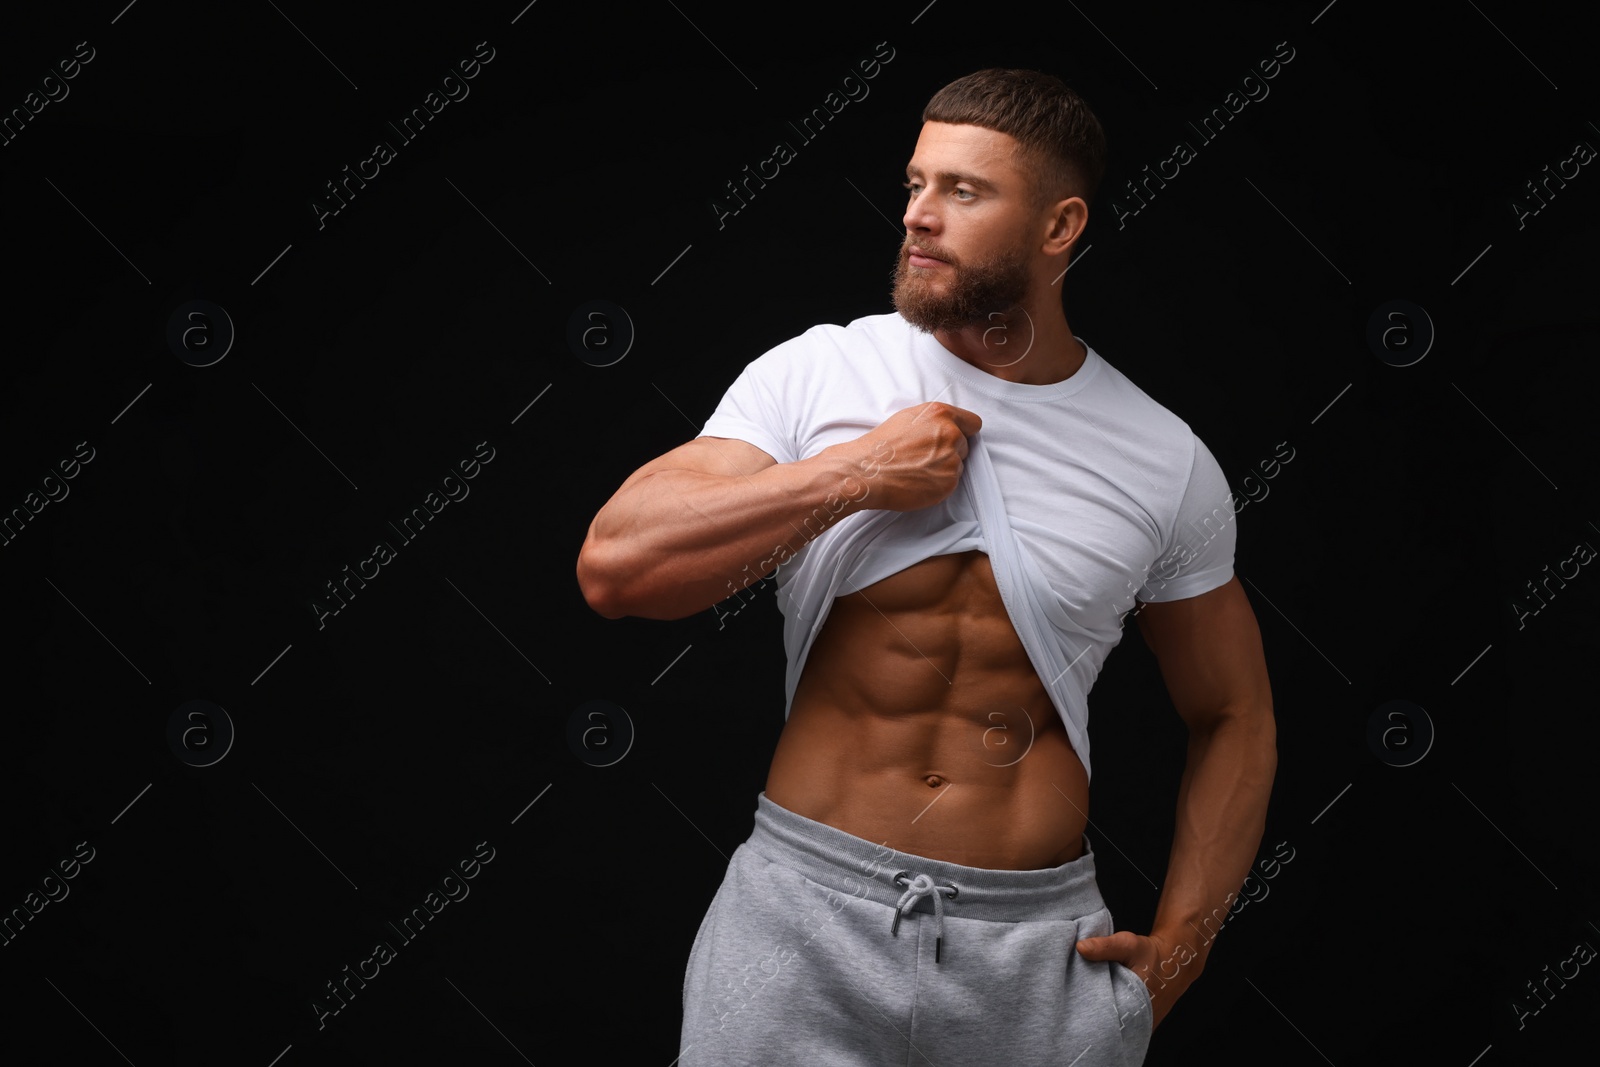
{"points": [[969, 209]]}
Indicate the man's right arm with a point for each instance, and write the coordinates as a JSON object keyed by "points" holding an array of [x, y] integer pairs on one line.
{"points": [[692, 527], [708, 513]]}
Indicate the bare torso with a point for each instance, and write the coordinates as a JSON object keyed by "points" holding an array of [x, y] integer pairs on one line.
{"points": [[918, 687]]}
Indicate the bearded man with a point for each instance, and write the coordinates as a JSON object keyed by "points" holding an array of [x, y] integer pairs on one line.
{"points": [[961, 501]]}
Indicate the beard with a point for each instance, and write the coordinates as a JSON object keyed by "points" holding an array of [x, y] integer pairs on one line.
{"points": [[967, 295]]}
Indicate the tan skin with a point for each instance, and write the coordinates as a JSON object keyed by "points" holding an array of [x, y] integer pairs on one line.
{"points": [[916, 687], [919, 721]]}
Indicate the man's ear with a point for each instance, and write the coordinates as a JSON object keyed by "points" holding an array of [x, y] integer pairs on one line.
{"points": [[1067, 220]]}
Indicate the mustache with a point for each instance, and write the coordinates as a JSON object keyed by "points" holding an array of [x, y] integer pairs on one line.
{"points": [[934, 253]]}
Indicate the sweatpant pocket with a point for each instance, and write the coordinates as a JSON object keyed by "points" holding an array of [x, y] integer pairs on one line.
{"points": [[1135, 1017]]}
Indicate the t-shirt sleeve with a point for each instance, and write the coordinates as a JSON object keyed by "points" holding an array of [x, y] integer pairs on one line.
{"points": [[1198, 556], [751, 409]]}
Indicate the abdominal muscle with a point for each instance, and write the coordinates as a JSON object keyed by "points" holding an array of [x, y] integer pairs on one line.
{"points": [[918, 687]]}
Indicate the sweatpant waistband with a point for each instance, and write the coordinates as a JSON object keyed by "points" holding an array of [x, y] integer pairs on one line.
{"points": [[857, 867]]}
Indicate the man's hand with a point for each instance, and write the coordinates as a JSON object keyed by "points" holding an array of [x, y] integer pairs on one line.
{"points": [[913, 458], [1144, 955]]}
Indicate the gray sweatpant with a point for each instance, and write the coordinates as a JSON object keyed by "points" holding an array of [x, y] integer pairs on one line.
{"points": [[821, 948]]}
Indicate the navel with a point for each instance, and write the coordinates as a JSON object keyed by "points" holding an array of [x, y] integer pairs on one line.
{"points": [[934, 780]]}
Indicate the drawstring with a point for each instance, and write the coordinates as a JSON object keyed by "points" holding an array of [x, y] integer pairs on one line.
{"points": [[917, 888]]}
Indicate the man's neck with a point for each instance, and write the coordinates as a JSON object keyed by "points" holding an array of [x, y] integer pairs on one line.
{"points": [[1026, 347]]}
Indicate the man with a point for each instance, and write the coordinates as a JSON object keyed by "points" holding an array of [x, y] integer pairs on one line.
{"points": [[969, 499]]}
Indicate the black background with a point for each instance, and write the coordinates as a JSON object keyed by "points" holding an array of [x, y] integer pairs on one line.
{"points": [[372, 354]]}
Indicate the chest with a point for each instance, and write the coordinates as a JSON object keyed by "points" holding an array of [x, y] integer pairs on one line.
{"points": [[1078, 490]]}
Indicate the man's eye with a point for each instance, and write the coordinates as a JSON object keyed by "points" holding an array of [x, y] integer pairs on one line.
{"points": [[911, 187], [966, 192]]}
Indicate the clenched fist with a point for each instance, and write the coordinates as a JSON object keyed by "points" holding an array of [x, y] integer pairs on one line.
{"points": [[914, 458]]}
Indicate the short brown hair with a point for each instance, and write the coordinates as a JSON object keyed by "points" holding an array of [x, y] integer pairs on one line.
{"points": [[1060, 137]]}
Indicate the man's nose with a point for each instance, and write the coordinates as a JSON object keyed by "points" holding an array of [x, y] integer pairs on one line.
{"points": [[919, 215]]}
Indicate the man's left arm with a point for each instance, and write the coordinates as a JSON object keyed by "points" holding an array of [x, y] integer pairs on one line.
{"points": [[1209, 651]]}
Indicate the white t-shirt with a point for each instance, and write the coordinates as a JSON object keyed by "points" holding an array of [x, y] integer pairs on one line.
{"points": [[1084, 493]]}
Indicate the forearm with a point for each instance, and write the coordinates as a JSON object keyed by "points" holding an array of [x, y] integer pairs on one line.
{"points": [[680, 541], [1221, 816]]}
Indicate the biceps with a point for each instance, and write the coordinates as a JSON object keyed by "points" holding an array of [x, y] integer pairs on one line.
{"points": [[726, 456], [1209, 649]]}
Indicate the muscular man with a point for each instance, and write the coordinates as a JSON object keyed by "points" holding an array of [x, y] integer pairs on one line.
{"points": [[961, 501]]}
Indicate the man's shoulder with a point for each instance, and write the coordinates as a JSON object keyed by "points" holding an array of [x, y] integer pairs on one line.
{"points": [[871, 330], [1129, 399], [826, 341], [1174, 462]]}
